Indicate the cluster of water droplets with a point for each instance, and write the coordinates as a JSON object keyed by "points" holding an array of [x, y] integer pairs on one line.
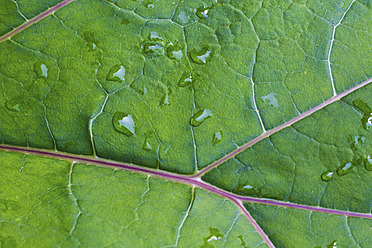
{"points": [[361, 156]]}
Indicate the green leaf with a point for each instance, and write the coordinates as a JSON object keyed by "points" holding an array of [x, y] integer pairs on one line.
{"points": [[185, 123]]}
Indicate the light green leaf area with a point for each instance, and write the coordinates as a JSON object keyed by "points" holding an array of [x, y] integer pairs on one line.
{"points": [[50, 203], [176, 85]]}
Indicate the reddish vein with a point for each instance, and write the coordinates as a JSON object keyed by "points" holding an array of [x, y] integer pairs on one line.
{"points": [[281, 127], [253, 222], [185, 179], [34, 20]]}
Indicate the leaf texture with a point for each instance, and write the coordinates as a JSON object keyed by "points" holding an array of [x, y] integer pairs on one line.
{"points": [[223, 104]]}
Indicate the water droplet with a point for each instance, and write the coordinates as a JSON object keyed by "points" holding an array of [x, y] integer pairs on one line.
{"points": [[202, 12], [368, 163], [123, 123], [214, 235], [175, 51], [369, 122], [248, 189], [200, 116], [327, 176], [167, 150], [333, 244], [153, 48], [186, 79], [344, 169], [154, 36], [150, 5], [154, 45], [164, 100], [41, 70], [243, 244], [272, 100], [116, 73], [202, 56], [217, 137], [12, 105], [146, 145], [367, 113]]}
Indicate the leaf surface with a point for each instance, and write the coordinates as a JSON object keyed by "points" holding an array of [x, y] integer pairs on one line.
{"points": [[265, 101]]}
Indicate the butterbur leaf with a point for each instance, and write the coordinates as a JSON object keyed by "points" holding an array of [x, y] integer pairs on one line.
{"points": [[185, 123]]}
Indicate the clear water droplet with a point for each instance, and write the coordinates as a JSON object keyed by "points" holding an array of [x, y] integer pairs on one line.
{"points": [[333, 244], [217, 137], [124, 123], [41, 70], [344, 169], [116, 73], [201, 56], [167, 150], [367, 113], [243, 244], [146, 145], [327, 176], [214, 235], [202, 12], [247, 189], [368, 163], [153, 45], [175, 52], [153, 48], [272, 99], [154, 36], [12, 105], [200, 116], [150, 5], [186, 79], [164, 100]]}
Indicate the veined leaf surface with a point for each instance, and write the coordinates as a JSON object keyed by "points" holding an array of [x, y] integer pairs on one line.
{"points": [[185, 123]]}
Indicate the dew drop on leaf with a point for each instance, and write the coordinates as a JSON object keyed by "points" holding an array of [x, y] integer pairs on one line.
{"points": [[175, 52], [243, 244], [201, 56], [186, 79], [202, 12], [153, 48], [327, 176], [333, 244], [12, 105], [200, 116], [214, 235], [368, 163], [146, 145], [344, 169], [41, 70], [116, 73], [367, 112], [272, 101], [154, 36], [164, 100], [153, 45], [123, 123], [217, 137], [150, 5]]}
